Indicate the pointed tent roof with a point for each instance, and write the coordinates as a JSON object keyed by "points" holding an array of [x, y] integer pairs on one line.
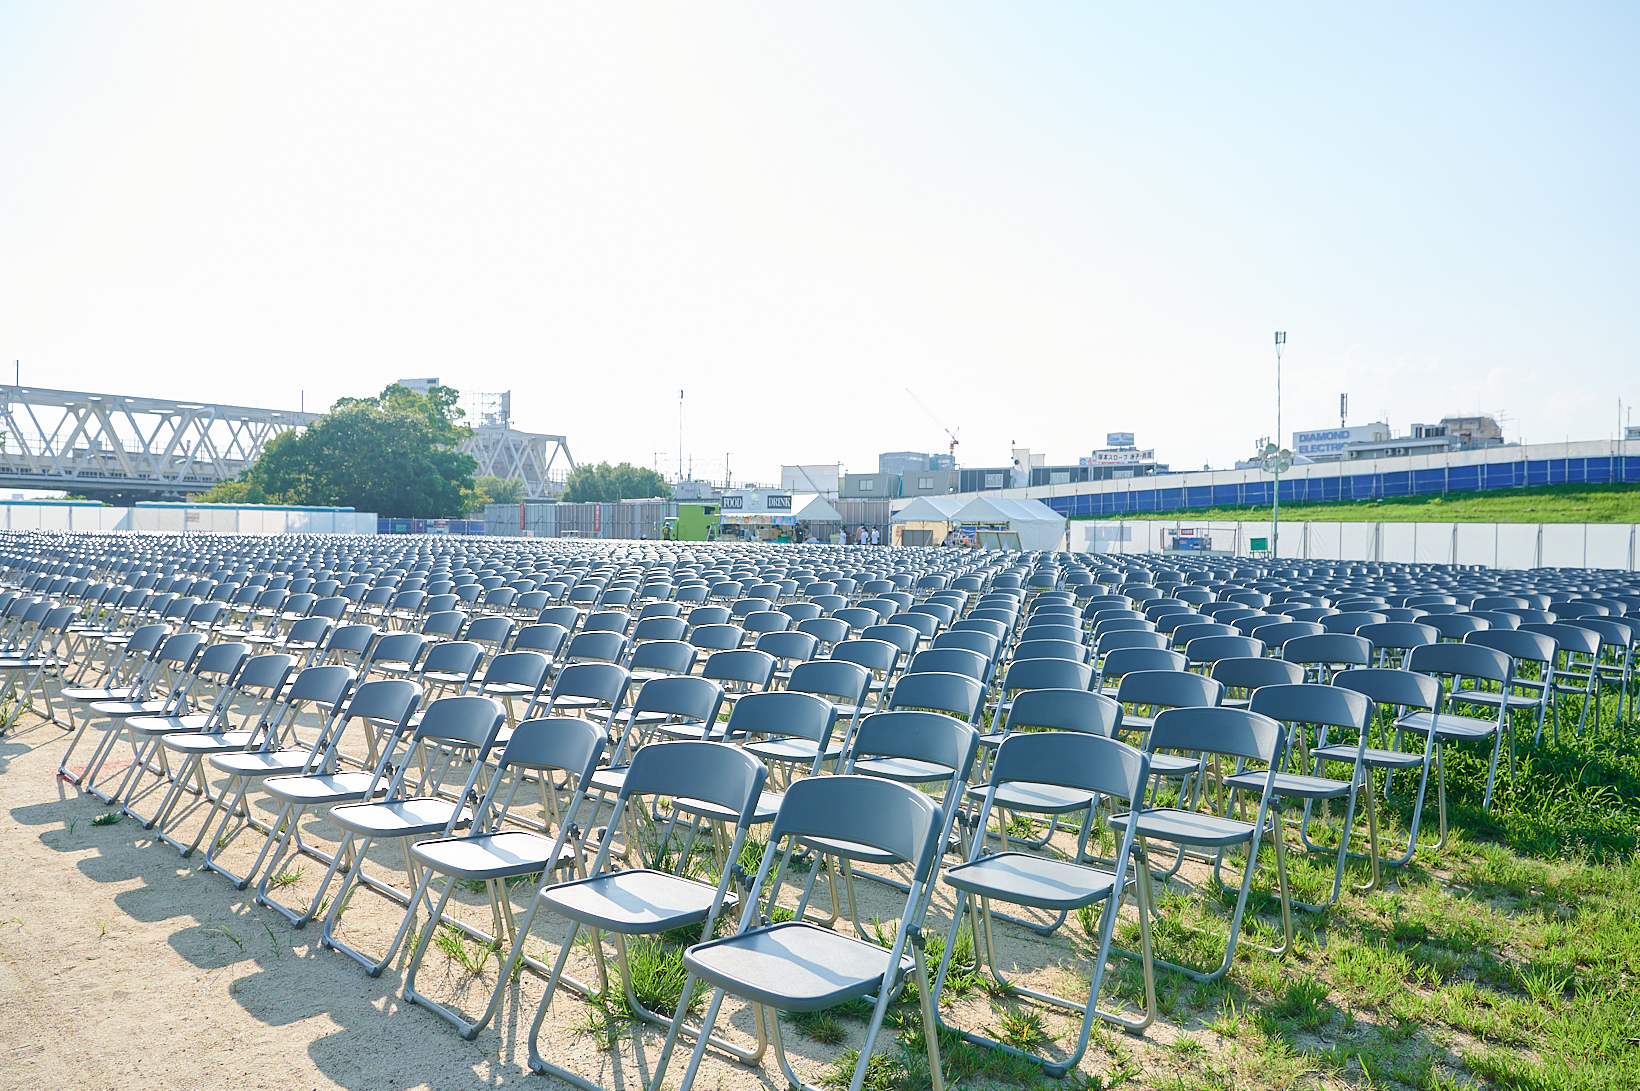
{"points": [[1038, 525], [928, 509], [814, 509]]}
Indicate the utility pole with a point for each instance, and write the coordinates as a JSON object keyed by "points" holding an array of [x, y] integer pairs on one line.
{"points": [[1343, 411], [1281, 339], [680, 435]]}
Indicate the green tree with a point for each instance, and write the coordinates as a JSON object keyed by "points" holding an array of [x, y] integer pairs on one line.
{"points": [[605, 483], [393, 454], [488, 489]]}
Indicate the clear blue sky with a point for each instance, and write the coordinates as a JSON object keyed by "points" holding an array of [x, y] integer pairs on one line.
{"points": [[1049, 220]]}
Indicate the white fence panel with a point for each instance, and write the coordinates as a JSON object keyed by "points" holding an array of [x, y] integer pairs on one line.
{"points": [[1358, 541], [1433, 543], [1475, 543], [1609, 545], [1398, 542], [1563, 545]]}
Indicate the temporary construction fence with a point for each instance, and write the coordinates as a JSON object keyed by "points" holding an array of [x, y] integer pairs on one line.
{"points": [[184, 518], [1495, 545], [625, 519]]}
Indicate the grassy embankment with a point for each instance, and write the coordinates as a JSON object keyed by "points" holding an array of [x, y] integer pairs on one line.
{"points": [[1543, 504]]}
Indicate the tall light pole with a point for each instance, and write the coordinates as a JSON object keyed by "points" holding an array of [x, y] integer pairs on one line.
{"points": [[1276, 459]]}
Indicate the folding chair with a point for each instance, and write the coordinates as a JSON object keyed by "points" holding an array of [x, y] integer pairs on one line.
{"points": [[492, 854], [799, 966], [1324, 654], [1403, 691], [393, 700], [176, 657], [319, 689], [1533, 650], [647, 901], [1242, 736], [512, 676], [847, 686], [453, 731], [1240, 677], [1299, 706], [1453, 664], [1079, 766]]}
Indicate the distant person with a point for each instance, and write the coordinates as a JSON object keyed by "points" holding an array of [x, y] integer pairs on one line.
{"points": [[860, 535], [876, 536]]}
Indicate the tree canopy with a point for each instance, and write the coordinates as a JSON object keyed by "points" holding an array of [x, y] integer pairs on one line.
{"points": [[488, 489], [605, 483], [394, 454]]}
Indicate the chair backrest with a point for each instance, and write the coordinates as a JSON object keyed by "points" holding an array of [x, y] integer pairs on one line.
{"points": [[604, 647], [950, 660], [1460, 660], [745, 667], [1064, 710], [995, 629], [544, 637], [1052, 649], [804, 715], [788, 646], [1392, 686], [875, 655], [1573, 638], [466, 721], [1251, 674], [1030, 674], [670, 656], [957, 694], [707, 771], [605, 682], [1454, 626], [1124, 661], [1352, 620], [766, 621], [1235, 732], [660, 628], [1114, 639], [1309, 703], [832, 678], [566, 616], [881, 814], [453, 657], [903, 637], [1328, 648], [1211, 649], [519, 668], [920, 736], [1089, 761], [1169, 689]]}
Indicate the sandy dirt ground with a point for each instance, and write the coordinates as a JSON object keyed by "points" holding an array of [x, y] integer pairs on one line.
{"points": [[124, 965]]}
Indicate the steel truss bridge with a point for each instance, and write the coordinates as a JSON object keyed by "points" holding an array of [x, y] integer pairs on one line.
{"points": [[530, 456], [119, 449]]}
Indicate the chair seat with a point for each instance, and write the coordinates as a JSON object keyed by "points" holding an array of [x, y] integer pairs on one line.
{"points": [[1448, 726], [505, 689], [399, 817], [167, 725], [768, 805], [319, 788], [1292, 785], [793, 749], [117, 709], [904, 770], [1172, 765], [638, 902], [1023, 795], [1023, 879], [1372, 756], [793, 966], [491, 855], [1188, 827], [610, 779], [208, 742], [261, 763], [96, 693]]}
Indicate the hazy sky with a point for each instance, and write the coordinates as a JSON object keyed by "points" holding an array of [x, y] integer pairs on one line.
{"points": [[1049, 220]]}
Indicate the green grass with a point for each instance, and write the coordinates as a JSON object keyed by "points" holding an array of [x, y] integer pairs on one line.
{"points": [[1541, 504], [1507, 960]]}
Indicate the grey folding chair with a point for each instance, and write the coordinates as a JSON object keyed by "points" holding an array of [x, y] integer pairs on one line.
{"points": [[1301, 707], [1455, 665], [175, 658], [515, 676], [493, 854], [454, 732], [1526, 651], [1242, 736], [1403, 692], [1081, 766], [648, 900], [847, 686], [328, 785], [1324, 655], [798, 966], [1240, 677], [1125, 661]]}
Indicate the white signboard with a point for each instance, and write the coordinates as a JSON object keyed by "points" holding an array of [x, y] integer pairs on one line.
{"points": [[756, 502], [1331, 441]]}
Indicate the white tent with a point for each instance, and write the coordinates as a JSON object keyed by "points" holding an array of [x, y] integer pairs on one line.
{"points": [[1038, 525], [928, 509], [814, 509]]}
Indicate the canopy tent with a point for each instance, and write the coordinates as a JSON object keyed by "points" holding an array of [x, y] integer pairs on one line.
{"points": [[924, 521], [928, 509], [1038, 525], [814, 509]]}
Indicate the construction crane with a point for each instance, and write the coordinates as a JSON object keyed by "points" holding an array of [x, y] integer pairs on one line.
{"points": [[938, 424]]}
